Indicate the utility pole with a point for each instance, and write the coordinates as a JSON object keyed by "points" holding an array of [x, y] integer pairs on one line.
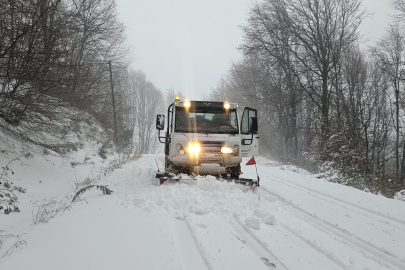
{"points": [[115, 139]]}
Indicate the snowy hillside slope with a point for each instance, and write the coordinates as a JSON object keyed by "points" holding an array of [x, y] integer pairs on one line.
{"points": [[45, 174], [293, 221]]}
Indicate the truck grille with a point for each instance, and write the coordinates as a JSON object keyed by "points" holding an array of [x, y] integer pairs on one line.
{"points": [[211, 146]]}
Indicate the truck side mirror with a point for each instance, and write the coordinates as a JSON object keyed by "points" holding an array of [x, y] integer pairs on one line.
{"points": [[160, 122], [254, 127]]}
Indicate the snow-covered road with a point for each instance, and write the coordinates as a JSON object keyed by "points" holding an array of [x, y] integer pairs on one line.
{"points": [[293, 221]]}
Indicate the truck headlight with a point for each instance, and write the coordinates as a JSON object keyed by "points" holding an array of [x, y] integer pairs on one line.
{"points": [[194, 148], [226, 150]]}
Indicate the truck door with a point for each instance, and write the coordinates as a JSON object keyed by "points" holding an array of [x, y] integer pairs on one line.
{"points": [[252, 149]]}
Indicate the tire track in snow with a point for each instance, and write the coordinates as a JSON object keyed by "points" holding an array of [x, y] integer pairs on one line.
{"points": [[376, 217], [256, 244], [363, 251], [200, 249], [328, 255], [342, 234], [184, 238], [326, 197], [319, 250]]}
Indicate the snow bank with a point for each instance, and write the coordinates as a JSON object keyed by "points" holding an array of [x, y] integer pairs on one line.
{"points": [[400, 195], [202, 196]]}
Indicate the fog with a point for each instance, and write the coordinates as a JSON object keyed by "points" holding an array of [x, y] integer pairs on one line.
{"points": [[188, 44]]}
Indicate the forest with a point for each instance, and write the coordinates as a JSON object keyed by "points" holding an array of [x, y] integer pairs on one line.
{"points": [[325, 101], [60, 57]]}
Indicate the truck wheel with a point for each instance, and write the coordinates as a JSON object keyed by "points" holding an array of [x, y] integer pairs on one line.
{"points": [[235, 172]]}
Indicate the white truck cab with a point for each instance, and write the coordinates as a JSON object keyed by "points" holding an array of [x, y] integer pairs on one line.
{"points": [[207, 138]]}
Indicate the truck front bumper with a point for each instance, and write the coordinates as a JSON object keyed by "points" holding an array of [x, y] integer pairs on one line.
{"points": [[206, 158]]}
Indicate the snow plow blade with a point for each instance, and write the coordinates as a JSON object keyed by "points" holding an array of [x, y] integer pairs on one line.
{"points": [[245, 182], [163, 177]]}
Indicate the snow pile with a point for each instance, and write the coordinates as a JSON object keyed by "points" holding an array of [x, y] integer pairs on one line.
{"points": [[400, 195], [185, 198], [37, 175], [269, 219], [201, 196], [253, 222]]}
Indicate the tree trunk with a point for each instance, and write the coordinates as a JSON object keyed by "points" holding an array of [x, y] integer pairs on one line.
{"points": [[397, 136], [325, 108], [403, 166]]}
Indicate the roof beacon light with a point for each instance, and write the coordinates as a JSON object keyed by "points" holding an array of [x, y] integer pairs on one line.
{"points": [[177, 98], [227, 105]]}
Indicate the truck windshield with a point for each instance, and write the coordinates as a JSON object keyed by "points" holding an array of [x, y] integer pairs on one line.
{"points": [[206, 120]]}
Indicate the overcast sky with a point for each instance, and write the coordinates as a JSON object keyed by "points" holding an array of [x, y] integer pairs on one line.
{"points": [[188, 44]]}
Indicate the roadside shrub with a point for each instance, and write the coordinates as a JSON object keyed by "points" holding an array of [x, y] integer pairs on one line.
{"points": [[86, 158], [4, 236], [104, 149], [117, 163], [352, 176], [400, 195], [74, 163], [44, 210], [28, 155], [8, 200], [104, 189], [102, 153]]}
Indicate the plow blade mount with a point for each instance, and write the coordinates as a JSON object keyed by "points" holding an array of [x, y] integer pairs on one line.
{"points": [[163, 177]]}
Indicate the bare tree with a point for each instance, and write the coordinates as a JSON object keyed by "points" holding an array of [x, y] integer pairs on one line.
{"points": [[145, 101], [54, 55], [318, 33], [390, 56], [29, 75]]}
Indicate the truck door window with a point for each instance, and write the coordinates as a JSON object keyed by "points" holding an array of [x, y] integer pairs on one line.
{"points": [[234, 120], [245, 129]]}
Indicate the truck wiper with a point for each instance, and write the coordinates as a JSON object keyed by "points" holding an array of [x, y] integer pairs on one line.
{"points": [[225, 132]]}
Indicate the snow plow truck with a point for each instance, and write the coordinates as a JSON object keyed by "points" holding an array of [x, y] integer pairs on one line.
{"points": [[207, 138]]}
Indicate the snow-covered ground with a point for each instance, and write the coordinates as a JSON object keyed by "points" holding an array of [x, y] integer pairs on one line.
{"points": [[293, 221]]}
